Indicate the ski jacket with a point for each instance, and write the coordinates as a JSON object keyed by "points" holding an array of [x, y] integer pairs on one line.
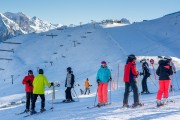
{"points": [[27, 81], [130, 72], [39, 83], [86, 84], [103, 75], [164, 70], [71, 81], [145, 68]]}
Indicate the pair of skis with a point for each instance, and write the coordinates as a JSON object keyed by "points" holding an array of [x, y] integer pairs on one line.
{"points": [[39, 112], [98, 106]]}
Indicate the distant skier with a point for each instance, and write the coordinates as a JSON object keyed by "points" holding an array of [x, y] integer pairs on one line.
{"points": [[39, 83], [27, 81], [87, 86], [130, 75], [146, 74], [69, 84], [103, 77], [164, 72], [173, 68]]}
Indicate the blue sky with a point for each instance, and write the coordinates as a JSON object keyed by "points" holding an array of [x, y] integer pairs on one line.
{"points": [[75, 11]]}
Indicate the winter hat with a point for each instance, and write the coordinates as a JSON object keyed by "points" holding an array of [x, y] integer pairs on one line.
{"points": [[30, 72], [41, 71], [103, 62]]}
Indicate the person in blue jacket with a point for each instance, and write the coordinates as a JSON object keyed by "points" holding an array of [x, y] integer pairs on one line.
{"points": [[103, 77]]}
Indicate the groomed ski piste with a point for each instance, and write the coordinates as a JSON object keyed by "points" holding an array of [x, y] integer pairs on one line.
{"points": [[112, 43]]}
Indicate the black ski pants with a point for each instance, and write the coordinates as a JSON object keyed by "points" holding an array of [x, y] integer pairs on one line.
{"points": [[68, 93], [42, 96], [29, 98], [144, 84], [127, 91]]}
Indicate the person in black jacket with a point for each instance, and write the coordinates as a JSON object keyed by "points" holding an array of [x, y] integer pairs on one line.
{"points": [[146, 74], [164, 72], [69, 84]]}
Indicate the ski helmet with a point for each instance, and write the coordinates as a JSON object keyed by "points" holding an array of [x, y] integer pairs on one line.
{"points": [[143, 60], [30, 72], [41, 71], [167, 58], [132, 56], [69, 69]]}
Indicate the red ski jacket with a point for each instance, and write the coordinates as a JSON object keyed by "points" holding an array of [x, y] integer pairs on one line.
{"points": [[130, 72], [27, 81]]}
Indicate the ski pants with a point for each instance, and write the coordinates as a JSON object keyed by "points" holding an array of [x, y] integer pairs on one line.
{"points": [[87, 89], [163, 89], [42, 96], [29, 98], [127, 91], [103, 92], [68, 93], [144, 84]]}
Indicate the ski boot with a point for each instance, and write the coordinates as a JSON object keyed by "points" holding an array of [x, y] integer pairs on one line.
{"points": [[100, 104], [26, 110], [42, 109], [125, 106], [159, 103], [33, 112], [137, 105]]}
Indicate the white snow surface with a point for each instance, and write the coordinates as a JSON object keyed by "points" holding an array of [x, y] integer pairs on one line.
{"points": [[148, 39]]}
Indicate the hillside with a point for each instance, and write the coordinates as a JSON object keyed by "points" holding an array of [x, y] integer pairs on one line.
{"points": [[83, 48]]}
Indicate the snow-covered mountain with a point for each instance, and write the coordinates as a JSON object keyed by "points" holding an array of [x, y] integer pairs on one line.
{"points": [[83, 48], [24, 23], [8, 28]]}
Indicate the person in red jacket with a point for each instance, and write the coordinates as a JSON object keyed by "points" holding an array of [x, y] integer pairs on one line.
{"points": [[130, 75], [27, 81]]}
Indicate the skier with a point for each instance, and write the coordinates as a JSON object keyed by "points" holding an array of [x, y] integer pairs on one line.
{"points": [[103, 77], [130, 75], [173, 68], [27, 81], [164, 72], [39, 84], [146, 74], [87, 86], [69, 84]]}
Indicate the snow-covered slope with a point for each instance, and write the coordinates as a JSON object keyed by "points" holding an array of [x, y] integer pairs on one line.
{"points": [[154, 37], [23, 22], [83, 48]]}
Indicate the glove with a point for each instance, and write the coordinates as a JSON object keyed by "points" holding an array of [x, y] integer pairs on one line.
{"points": [[98, 81], [28, 81], [141, 73], [52, 84]]}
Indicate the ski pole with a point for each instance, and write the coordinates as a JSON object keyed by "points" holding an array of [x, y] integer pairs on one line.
{"points": [[96, 95], [177, 81], [53, 97], [76, 94], [110, 92], [139, 86], [153, 82]]}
